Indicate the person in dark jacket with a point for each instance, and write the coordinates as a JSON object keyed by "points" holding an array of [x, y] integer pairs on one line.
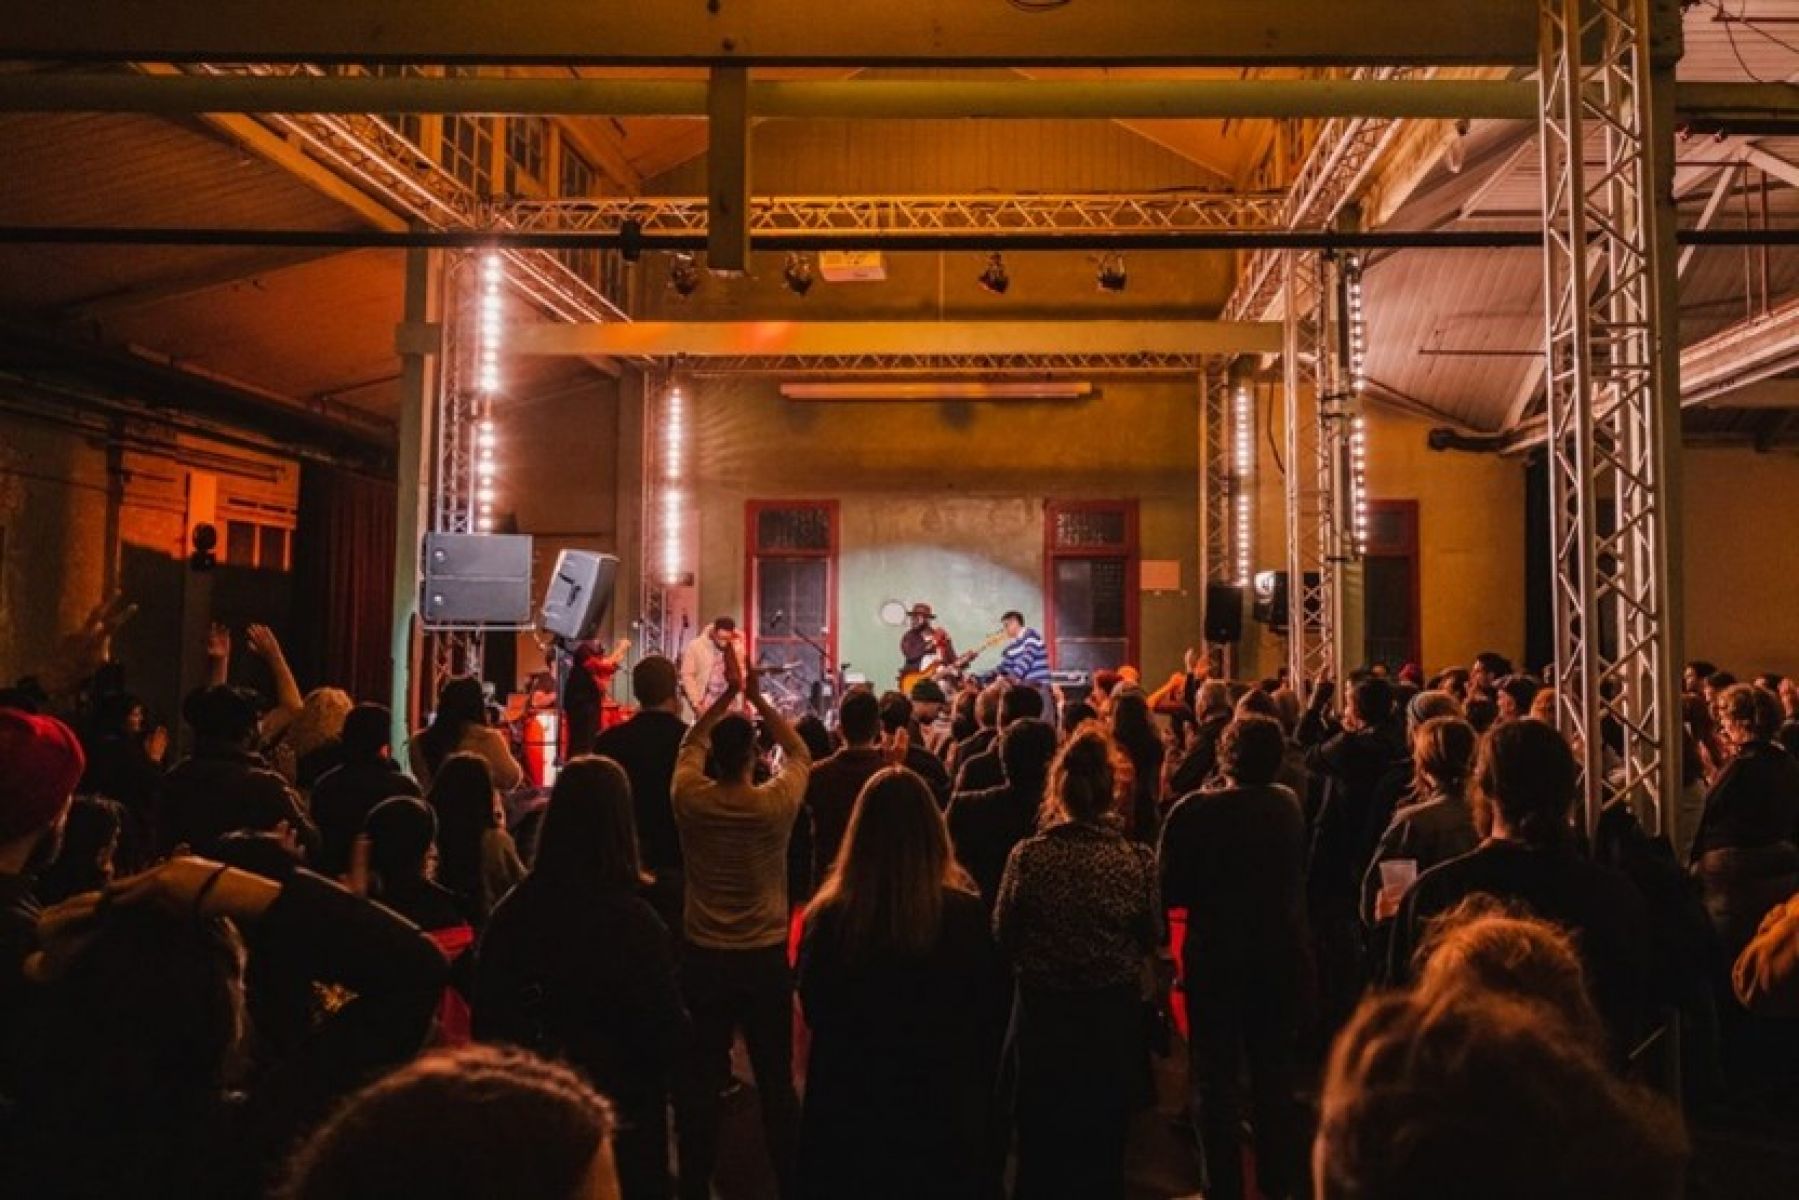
{"points": [[986, 728], [1746, 850], [1437, 827], [1212, 712], [138, 1016], [906, 998], [646, 747], [985, 825], [1362, 768], [122, 767], [576, 965], [344, 796], [1233, 856], [896, 717], [984, 770], [88, 850], [834, 784], [1526, 779], [224, 786]]}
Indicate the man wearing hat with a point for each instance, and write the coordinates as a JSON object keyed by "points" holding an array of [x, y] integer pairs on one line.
{"points": [[923, 642], [40, 764]]}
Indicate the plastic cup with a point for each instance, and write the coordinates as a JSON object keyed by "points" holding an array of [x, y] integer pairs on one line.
{"points": [[1398, 874]]}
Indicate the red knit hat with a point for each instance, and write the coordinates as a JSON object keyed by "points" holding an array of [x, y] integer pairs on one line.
{"points": [[40, 764]]}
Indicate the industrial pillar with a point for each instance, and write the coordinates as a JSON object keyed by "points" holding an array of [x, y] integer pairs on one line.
{"points": [[1612, 394], [412, 492]]}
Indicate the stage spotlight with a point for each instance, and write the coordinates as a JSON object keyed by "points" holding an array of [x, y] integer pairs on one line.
{"points": [[630, 239], [798, 273], [683, 275], [994, 277], [1111, 276]]}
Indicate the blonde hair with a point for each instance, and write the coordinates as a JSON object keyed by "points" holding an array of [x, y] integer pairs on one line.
{"points": [[320, 720], [1487, 946]]}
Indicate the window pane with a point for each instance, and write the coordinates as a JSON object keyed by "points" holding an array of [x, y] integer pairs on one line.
{"points": [[1086, 529], [272, 551], [793, 529], [1090, 606], [798, 589], [240, 544]]}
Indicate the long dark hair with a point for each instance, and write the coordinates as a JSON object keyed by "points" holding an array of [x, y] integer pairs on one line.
{"points": [[1526, 772], [589, 835], [895, 862], [462, 797], [460, 704], [1082, 780], [1135, 732], [401, 831]]}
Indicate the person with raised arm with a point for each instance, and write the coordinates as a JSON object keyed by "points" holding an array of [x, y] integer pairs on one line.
{"points": [[734, 837]]}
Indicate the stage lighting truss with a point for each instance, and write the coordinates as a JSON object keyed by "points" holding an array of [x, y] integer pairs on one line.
{"points": [[938, 216], [1611, 402], [1341, 153]]}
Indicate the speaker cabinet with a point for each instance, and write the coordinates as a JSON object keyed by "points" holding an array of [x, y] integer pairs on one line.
{"points": [[1224, 612], [580, 594], [477, 579]]}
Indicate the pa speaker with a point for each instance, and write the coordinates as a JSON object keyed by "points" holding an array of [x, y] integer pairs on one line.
{"points": [[580, 594], [1224, 612], [1273, 604], [477, 579]]}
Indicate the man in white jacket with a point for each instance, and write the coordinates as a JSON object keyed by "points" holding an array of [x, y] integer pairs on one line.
{"points": [[703, 664]]}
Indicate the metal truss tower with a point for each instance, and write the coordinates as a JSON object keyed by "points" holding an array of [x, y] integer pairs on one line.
{"points": [[461, 407], [1609, 390], [1313, 617]]}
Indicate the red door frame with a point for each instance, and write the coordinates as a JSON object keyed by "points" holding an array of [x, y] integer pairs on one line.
{"points": [[751, 618], [1408, 548], [1131, 552]]}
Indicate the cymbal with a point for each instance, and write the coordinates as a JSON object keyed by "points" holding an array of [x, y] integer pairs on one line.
{"points": [[776, 668]]}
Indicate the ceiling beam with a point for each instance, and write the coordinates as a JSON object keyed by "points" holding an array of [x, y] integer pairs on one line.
{"points": [[781, 32], [165, 93], [1720, 194], [728, 169], [733, 339], [1023, 99], [1781, 169]]}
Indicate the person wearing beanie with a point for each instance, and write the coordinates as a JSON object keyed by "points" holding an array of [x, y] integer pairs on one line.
{"points": [[41, 761]]}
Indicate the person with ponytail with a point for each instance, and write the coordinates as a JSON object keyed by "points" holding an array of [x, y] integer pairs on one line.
{"points": [[906, 998], [1525, 784], [1079, 914]]}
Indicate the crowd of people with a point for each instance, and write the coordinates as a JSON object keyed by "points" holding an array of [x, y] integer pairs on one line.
{"points": [[1393, 946]]}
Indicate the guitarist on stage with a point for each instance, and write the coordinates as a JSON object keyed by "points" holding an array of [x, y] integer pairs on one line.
{"points": [[924, 646]]}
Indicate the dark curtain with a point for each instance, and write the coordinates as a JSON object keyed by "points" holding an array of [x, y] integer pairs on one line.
{"points": [[343, 585]]}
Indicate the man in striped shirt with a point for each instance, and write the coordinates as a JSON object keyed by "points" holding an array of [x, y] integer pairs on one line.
{"points": [[1025, 659]]}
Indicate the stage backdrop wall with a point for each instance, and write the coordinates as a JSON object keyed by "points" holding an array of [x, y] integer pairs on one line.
{"points": [[945, 502]]}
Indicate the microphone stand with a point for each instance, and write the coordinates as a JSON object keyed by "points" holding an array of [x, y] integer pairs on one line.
{"points": [[829, 671]]}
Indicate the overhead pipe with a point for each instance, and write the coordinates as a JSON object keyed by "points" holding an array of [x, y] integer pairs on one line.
{"points": [[1701, 106]]}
